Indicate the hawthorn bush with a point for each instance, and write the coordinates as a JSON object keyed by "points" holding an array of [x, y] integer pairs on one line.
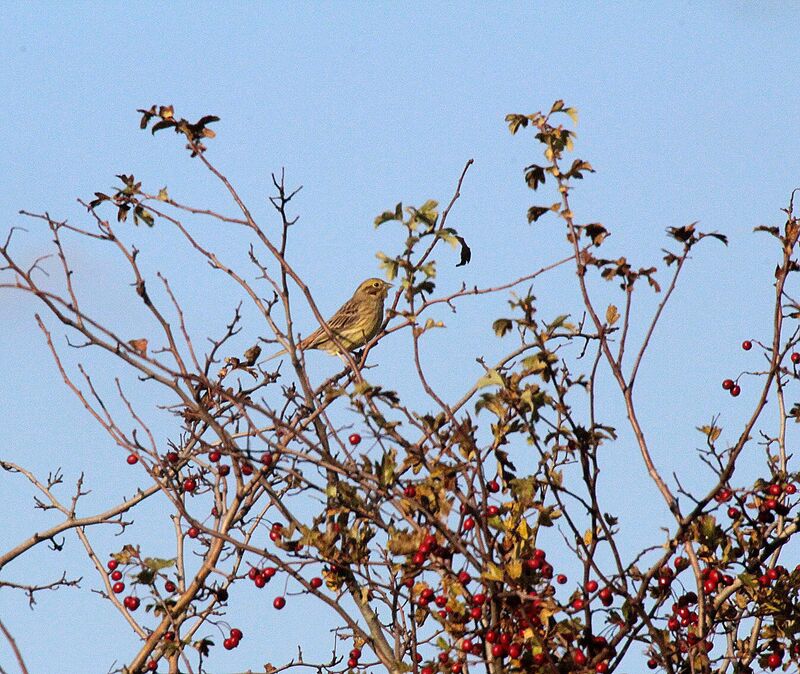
{"points": [[418, 529]]}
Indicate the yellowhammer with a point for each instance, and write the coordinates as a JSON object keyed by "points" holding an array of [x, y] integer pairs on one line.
{"points": [[357, 321]]}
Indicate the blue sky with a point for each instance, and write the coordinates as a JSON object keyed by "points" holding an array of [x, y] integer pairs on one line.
{"points": [[688, 111]]}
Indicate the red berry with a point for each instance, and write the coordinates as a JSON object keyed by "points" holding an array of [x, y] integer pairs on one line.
{"points": [[170, 587], [152, 666], [117, 588], [736, 390], [189, 484], [561, 579], [734, 513], [441, 601], [790, 488], [579, 658], [132, 459], [774, 659], [652, 663], [172, 457], [410, 491], [236, 633], [193, 532], [491, 636], [747, 345], [354, 439], [774, 489], [578, 604], [606, 596], [469, 524], [515, 650], [497, 650], [795, 357], [169, 636], [727, 384], [260, 581], [723, 495], [492, 487], [463, 577], [267, 458], [214, 456], [492, 511], [355, 653], [476, 613], [316, 582], [352, 663], [116, 575], [131, 603], [426, 670], [279, 603], [466, 645], [229, 644], [112, 564], [591, 586], [601, 667]]}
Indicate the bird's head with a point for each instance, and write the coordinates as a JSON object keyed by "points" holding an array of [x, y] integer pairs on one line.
{"points": [[373, 287]]}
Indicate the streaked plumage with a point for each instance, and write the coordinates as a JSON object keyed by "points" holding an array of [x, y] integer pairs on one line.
{"points": [[355, 323]]}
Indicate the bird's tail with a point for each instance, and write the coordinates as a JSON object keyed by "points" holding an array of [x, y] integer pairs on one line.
{"points": [[275, 355]]}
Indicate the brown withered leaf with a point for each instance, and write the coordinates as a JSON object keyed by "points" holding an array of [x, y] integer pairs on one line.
{"points": [[139, 345]]}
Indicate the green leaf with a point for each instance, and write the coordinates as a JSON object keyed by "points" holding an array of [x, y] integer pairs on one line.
{"points": [[534, 176], [390, 265], [536, 212], [516, 122], [501, 326], [163, 124], [156, 563], [388, 216], [466, 253]]}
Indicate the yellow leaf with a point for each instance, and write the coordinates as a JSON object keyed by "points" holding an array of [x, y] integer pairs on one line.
{"points": [[711, 432], [523, 530], [612, 315], [514, 568], [493, 572], [491, 378], [573, 114]]}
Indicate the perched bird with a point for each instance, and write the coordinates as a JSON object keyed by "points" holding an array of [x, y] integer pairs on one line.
{"points": [[355, 323]]}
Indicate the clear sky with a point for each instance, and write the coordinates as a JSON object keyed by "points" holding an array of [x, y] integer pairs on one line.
{"points": [[688, 111]]}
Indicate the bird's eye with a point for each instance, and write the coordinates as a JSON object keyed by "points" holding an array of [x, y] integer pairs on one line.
{"points": [[377, 284]]}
